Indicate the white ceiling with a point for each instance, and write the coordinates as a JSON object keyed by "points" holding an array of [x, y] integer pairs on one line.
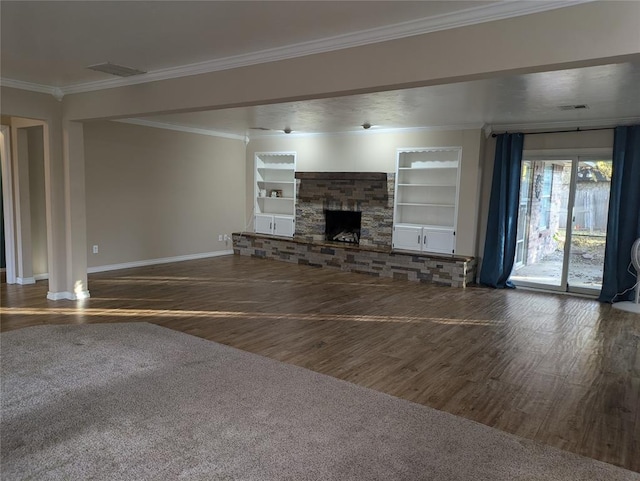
{"points": [[48, 45], [52, 43]]}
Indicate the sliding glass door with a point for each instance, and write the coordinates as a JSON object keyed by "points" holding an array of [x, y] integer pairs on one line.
{"points": [[562, 223]]}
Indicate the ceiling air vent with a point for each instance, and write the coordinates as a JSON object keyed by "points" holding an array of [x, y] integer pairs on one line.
{"points": [[113, 69], [573, 107]]}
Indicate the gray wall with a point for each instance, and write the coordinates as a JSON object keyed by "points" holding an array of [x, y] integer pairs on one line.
{"points": [[154, 193], [35, 141]]}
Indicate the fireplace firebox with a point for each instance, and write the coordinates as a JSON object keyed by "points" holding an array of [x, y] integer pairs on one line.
{"points": [[343, 226]]}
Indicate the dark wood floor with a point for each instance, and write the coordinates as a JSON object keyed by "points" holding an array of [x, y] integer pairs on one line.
{"points": [[558, 369]]}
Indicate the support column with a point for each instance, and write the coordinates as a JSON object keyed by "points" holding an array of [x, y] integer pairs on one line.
{"points": [[76, 225]]}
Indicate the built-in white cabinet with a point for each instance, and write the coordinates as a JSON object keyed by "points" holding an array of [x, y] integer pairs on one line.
{"points": [[428, 239], [275, 193], [426, 199], [281, 225]]}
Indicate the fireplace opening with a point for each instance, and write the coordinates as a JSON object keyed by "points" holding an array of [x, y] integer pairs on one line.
{"points": [[342, 226]]}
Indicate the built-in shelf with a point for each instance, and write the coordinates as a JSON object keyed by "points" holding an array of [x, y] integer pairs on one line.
{"points": [[424, 204], [370, 176], [426, 199], [427, 185], [274, 171]]}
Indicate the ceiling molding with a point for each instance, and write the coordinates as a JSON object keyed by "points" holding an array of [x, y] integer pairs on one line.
{"points": [[19, 84], [181, 128], [462, 18], [570, 124]]}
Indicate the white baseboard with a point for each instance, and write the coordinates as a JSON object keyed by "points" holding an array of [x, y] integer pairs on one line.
{"points": [[25, 280], [58, 296], [163, 260], [41, 277]]}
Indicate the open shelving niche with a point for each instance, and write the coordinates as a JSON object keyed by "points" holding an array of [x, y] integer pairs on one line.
{"points": [[275, 171], [426, 199]]}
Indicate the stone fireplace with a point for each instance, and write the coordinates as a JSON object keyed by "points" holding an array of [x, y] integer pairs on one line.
{"points": [[369, 196], [370, 193]]}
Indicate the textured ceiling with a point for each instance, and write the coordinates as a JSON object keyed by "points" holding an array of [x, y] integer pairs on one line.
{"points": [[610, 92]]}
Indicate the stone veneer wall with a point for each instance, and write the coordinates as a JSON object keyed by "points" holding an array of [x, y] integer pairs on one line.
{"points": [[373, 198], [450, 271]]}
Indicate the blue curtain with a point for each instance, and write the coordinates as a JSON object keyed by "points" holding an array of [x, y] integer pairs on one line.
{"points": [[500, 243], [623, 226]]}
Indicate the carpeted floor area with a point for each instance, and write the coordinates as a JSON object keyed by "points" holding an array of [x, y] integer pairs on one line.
{"points": [[138, 401]]}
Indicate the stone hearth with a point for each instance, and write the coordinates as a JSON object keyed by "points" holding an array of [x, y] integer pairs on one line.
{"points": [[454, 271]]}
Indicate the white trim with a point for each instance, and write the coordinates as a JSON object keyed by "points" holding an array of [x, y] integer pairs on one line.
{"points": [[24, 281], [33, 87], [80, 295], [182, 128], [66, 295], [41, 277], [462, 18], [8, 204], [162, 260], [566, 154], [57, 296], [568, 124]]}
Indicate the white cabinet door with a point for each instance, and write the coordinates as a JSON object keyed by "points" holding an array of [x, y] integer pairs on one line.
{"points": [[438, 240], [407, 237], [283, 226], [263, 224]]}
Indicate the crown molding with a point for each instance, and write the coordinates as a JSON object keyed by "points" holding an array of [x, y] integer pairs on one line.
{"points": [[182, 128], [569, 124], [19, 84], [462, 18], [57, 92]]}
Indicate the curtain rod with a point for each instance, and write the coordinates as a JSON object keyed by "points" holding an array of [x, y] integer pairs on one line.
{"points": [[578, 129]]}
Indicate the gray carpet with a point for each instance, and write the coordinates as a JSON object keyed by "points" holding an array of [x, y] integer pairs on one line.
{"points": [[141, 402]]}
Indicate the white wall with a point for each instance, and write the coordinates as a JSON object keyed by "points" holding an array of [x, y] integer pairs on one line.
{"points": [[154, 193], [373, 151]]}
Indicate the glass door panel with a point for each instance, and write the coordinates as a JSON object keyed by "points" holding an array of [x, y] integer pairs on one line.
{"points": [[542, 262], [562, 224], [589, 224], [523, 214]]}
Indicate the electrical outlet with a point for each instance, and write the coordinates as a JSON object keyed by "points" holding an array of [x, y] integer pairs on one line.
{"points": [[95, 249], [226, 237], [220, 238]]}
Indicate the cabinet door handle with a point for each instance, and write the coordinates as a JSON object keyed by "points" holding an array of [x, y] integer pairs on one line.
{"points": [[418, 238], [270, 225], [424, 239]]}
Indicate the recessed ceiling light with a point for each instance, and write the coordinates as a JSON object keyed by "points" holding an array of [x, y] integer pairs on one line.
{"points": [[113, 69]]}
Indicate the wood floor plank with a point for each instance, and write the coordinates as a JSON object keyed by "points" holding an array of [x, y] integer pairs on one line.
{"points": [[561, 370]]}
